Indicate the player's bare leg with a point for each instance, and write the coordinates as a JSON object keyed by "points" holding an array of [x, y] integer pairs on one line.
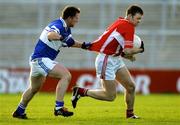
{"points": [[64, 75], [59, 71], [107, 93], [35, 85], [123, 76]]}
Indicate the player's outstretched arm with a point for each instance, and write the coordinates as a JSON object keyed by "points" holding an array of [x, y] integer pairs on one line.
{"points": [[83, 45], [77, 44], [69, 41]]}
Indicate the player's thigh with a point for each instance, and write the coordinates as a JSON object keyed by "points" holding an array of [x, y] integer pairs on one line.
{"points": [[106, 66], [124, 77], [109, 86], [59, 71], [36, 82]]}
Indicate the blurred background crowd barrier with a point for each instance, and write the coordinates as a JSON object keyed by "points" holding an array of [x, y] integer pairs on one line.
{"points": [[22, 21]]}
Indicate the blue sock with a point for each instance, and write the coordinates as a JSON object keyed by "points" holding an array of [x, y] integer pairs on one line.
{"points": [[59, 104], [21, 108]]}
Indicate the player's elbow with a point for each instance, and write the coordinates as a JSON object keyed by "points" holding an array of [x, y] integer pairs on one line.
{"points": [[53, 36], [50, 36]]}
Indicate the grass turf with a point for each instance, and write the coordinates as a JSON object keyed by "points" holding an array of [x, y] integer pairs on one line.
{"points": [[154, 109]]}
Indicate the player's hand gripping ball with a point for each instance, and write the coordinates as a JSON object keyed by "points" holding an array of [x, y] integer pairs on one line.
{"points": [[138, 43]]}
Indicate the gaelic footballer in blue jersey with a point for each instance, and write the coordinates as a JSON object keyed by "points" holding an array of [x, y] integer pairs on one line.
{"points": [[55, 35]]}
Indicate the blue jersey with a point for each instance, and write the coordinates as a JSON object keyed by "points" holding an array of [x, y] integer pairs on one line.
{"points": [[47, 48]]}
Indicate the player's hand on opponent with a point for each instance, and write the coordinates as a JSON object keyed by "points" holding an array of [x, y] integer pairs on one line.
{"points": [[70, 42], [86, 45]]}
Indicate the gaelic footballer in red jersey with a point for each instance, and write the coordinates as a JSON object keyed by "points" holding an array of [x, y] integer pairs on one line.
{"points": [[110, 68], [118, 37]]}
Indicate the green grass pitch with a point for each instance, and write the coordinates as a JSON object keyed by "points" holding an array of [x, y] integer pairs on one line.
{"points": [[154, 109]]}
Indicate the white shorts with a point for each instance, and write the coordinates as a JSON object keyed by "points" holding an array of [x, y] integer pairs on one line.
{"points": [[107, 66], [41, 66]]}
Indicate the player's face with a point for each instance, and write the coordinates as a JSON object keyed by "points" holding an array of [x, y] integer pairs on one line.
{"points": [[136, 19], [74, 20]]}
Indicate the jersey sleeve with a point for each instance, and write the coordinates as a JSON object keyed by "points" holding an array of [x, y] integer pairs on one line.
{"points": [[56, 28], [127, 31]]}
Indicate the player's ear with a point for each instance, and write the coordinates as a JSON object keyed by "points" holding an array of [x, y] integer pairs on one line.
{"points": [[69, 19], [129, 16]]}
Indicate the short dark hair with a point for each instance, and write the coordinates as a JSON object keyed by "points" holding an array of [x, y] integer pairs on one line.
{"points": [[70, 11], [133, 9]]}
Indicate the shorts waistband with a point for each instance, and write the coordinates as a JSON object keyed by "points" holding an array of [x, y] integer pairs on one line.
{"points": [[114, 55]]}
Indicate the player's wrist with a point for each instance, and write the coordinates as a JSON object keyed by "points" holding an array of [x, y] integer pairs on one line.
{"points": [[69, 41], [86, 45]]}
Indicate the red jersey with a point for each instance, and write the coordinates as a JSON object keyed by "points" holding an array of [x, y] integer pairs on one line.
{"points": [[117, 36]]}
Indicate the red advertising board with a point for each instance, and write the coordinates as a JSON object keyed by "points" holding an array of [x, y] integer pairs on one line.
{"points": [[147, 81]]}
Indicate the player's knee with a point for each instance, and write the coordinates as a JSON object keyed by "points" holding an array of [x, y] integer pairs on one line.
{"points": [[131, 88], [111, 97], [35, 90], [67, 76]]}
